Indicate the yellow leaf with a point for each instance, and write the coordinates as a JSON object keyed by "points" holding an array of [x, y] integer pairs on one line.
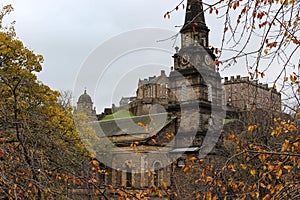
{"points": [[255, 194], [285, 146], [234, 187], [193, 159], [230, 137], [208, 179], [287, 167], [262, 185], [266, 51], [92, 180], [186, 169], [163, 185], [141, 124], [270, 177], [253, 172], [267, 197], [279, 173], [159, 193], [244, 167], [95, 163], [252, 128]]}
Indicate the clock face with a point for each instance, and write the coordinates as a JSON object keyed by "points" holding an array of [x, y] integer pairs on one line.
{"points": [[185, 59], [207, 60]]}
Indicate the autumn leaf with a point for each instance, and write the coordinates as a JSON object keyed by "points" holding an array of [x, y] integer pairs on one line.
{"points": [[92, 180], [231, 137], [94, 163], [267, 197], [159, 193], [243, 166], [287, 167], [141, 124], [279, 173], [193, 159], [253, 172]]}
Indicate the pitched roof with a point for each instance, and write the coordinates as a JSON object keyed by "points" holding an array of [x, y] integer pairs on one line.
{"points": [[132, 129], [194, 14]]}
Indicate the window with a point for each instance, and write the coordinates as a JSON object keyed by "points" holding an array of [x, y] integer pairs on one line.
{"points": [[183, 92], [196, 38], [127, 174], [210, 96], [157, 167], [128, 177], [118, 177], [102, 173]]}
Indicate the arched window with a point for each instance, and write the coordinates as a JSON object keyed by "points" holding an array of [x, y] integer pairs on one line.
{"points": [[210, 96], [102, 173], [157, 167], [118, 177], [128, 177], [183, 92]]}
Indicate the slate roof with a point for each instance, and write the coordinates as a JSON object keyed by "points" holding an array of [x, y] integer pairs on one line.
{"points": [[194, 13], [135, 129], [152, 80]]}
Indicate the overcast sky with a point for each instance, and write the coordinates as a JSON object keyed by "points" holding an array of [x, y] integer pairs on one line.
{"points": [[67, 32]]}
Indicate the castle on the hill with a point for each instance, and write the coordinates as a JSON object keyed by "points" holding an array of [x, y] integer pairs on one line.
{"points": [[184, 102]]}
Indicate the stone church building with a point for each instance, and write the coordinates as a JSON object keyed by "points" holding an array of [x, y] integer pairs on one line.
{"points": [[176, 116]]}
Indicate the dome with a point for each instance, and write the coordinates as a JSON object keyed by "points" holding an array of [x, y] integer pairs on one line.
{"points": [[85, 98]]}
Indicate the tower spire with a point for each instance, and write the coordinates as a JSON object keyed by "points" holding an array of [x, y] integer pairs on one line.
{"points": [[194, 25]]}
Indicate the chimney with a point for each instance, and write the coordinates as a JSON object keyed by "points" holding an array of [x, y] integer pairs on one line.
{"points": [[245, 79]]}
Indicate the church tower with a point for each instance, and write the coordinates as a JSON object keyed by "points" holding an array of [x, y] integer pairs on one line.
{"points": [[195, 85]]}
